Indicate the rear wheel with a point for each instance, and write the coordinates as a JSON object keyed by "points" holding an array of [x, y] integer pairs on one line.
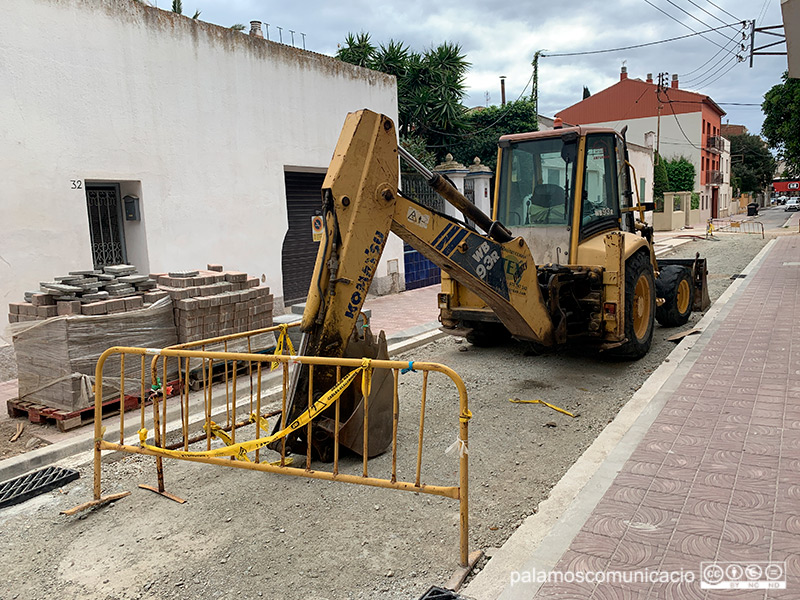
{"points": [[485, 335], [675, 286], [640, 307]]}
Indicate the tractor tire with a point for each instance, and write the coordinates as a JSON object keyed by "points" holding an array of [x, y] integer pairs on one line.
{"points": [[640, 308], [676, 287], [488, 335]]}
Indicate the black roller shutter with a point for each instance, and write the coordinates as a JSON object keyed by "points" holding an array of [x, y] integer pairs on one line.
{"points": [[303, 200]]}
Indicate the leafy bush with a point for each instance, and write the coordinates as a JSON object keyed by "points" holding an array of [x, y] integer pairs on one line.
{"points": [[680, 173]]}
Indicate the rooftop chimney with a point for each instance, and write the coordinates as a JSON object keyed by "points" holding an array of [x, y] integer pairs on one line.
{"points": [[255, 29], [675, 81], [623, 73], [649, 78]]}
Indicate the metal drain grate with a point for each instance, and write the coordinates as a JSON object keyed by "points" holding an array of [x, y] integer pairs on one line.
{"points": [[437, 593], [27, 486]]}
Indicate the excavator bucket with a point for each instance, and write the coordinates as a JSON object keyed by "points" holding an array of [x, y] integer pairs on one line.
{"points": [[380, 404]]}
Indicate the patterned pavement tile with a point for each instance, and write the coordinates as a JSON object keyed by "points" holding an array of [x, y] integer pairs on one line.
{"points": [[717, 476]]}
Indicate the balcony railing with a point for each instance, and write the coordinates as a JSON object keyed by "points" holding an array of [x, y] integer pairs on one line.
{"points": [[715, 144], [713, 177]]}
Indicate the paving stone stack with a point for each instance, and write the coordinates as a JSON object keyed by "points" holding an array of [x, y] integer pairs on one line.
{"points": [[214, 302], [110, 290]]}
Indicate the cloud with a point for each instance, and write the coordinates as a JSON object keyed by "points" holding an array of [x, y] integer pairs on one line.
{"points": [[500, 38]]}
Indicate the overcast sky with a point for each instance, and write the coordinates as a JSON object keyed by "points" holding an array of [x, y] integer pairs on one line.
{"points": [[500, 38]]}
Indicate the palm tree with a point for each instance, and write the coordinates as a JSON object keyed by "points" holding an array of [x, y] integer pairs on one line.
{"points": [[357, 50], [430, 86]]}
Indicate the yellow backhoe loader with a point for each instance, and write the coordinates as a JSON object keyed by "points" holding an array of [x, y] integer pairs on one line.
{"points": [[565, 256]]}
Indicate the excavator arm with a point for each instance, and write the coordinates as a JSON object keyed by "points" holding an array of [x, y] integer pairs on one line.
{"points": [[361, 205]]}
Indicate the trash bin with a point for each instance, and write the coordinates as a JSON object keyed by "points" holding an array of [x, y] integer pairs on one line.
{"points": [[752, 209]]}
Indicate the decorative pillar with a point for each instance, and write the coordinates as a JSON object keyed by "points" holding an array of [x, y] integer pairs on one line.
{"points": [[457, 173], [481, 179]]}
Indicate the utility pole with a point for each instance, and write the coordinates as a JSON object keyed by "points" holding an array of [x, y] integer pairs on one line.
{"points": [[502, 90], [535, 89], [661, 78]]}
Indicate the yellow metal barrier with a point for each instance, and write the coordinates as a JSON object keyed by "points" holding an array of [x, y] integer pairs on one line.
{"points": [[247, 453], [734, 226]]}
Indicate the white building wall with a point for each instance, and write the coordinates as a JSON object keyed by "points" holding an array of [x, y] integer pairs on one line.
{"points": [[672, 142], [201, 121]]}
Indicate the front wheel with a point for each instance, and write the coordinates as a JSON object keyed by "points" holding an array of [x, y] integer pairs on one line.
{"points": [[675, 286], [640, 307]]}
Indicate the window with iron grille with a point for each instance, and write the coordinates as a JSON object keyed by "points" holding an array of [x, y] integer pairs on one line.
{"points": [[105, 224]]}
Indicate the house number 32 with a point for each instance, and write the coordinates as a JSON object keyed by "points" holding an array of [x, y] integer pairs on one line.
{"points": [[75, 184]]}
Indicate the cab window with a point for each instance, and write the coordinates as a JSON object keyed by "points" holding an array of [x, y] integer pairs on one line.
{"points": [[536, 178], [600, 183]]}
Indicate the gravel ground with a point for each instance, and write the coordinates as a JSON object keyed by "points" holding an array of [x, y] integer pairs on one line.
{"points": [[249, 535]]}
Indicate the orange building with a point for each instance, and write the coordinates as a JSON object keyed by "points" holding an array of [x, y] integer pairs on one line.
{"points": [[681, 122]]}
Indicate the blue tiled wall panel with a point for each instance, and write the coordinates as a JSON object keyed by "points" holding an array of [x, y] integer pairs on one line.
{"points": [[420, 272]]}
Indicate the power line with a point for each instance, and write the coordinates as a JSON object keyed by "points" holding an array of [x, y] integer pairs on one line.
{"points": [[703, 23], [733, 66], [763, 12], [710, 71], [705, 11], [677, 120], [723, 10], [707, 71], [672, 39], [711, 77], [659, 9], [686, 75], [465, 136]]}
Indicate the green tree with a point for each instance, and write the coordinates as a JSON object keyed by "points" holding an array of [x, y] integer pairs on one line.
{"points": [[680, 173], [430, 85], [752, 164], [177, 7], [781, 127], [586, 92], [357, 50], [485, 126], [660, 181]]}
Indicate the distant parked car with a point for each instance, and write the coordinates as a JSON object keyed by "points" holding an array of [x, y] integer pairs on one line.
{"points": [[781, 199], [792, 204]]}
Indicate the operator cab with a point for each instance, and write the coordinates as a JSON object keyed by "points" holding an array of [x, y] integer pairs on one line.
{"points": [[538, 176]]}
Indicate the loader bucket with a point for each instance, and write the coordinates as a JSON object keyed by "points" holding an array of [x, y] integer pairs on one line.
{"points": [[699, 270], [351, 405]]}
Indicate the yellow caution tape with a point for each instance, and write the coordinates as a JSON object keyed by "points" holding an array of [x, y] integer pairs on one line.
{"points": [[561, 410], [241, 449], [283, 341], [262, 422], [220, 433]]}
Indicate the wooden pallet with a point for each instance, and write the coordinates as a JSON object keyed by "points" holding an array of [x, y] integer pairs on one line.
{"points": [[66, 420]]}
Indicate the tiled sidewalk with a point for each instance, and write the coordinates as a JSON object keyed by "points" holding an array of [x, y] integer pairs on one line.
{"points": [[398, 312], [717, 476]]}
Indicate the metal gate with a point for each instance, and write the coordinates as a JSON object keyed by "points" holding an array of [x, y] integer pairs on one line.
{"points": [[303, 201], [419, 271], [105, 224]]}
